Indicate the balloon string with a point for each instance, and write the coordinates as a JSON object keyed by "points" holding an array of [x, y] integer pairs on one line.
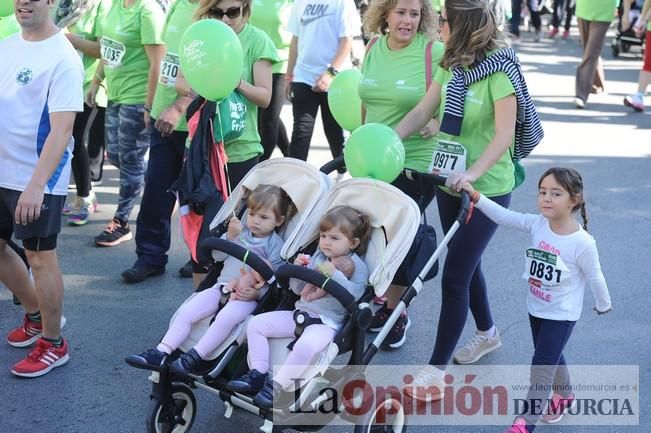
{"points": [[223, 141]]}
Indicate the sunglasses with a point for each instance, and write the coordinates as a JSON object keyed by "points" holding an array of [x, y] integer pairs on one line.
{"points": [[231, 13], [442, 20]]}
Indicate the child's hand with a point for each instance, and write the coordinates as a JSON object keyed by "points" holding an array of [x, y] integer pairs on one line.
{"points": [[327, 269], [259, 281], [467, 187], [599, 313], [244, 294], [302, 260], [234, 228]]}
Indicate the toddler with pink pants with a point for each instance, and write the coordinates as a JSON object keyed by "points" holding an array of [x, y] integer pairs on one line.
{"points": [[344, 234]]}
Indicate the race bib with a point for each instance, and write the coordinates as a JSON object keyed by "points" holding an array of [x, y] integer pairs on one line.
{"points": [[544, 269], [112, 52], [449, 157], [169, 69]]}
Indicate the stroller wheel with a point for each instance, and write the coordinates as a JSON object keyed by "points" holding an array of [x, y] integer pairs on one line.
{"points": [[388, 417], [175, 417], [626, 47], [615, 48]]}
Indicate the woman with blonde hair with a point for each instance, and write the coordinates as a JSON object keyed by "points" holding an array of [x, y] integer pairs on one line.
{"points": [[476, 93], [398, 68]]}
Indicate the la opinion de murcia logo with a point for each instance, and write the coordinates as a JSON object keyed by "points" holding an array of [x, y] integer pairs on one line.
{"points": [[24, 76]]}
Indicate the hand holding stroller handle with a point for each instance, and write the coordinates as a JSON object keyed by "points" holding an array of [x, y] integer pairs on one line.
{"points": [[285, 272], [333, 165], [242, 254]]}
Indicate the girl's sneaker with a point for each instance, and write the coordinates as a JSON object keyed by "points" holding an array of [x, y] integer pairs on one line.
{"points": [[519, 426], [558, 406], [636, 102], [552, 33], [566, 35]]}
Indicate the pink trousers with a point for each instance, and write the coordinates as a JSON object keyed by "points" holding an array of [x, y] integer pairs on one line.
{"points": [[203, 305], [280, 324]]}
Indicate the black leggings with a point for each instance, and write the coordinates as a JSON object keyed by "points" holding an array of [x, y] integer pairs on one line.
{"points": [[94, 144], [305, 105], [548, 367], [271, 127], [557, 13], [516, 9], [463, 283]]}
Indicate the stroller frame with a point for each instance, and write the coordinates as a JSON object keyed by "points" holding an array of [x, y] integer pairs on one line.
{"points": [[173, 406]]}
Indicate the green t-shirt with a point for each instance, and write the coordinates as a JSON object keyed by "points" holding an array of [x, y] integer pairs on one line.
{"points": [[478, 129], [393, 82], [271, 16], [8, 26], [87, 28], [179, 18], [124, 33], [596, 10], [256, 46]]}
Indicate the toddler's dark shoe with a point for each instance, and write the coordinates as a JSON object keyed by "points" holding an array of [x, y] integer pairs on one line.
{"points": [[249, 383], [268, 394], [188, 363], [151, 359]]}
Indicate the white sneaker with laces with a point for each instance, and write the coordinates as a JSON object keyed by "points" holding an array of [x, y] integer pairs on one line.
{"points": [[428, 384], [478, 346]]}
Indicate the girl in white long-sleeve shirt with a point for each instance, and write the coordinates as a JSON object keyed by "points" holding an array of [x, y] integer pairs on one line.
{"points": [[560, 262]]}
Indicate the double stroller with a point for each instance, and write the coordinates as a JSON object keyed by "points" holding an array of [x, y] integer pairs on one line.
{"points": [[625, 38], [395, 220]]}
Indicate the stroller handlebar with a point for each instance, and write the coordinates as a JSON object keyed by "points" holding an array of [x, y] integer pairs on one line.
{"points": [[239, 252], [427, 180], [285, 272], [434, 180]]}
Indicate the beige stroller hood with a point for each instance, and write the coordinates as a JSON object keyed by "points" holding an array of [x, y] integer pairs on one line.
{"points": [[394, 216], [304, 184]]}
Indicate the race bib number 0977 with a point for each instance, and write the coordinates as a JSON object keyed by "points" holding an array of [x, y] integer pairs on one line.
{"points": [[449, 157]]}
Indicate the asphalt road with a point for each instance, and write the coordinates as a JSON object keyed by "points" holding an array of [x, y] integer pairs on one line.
{"points": [[107, 320]]}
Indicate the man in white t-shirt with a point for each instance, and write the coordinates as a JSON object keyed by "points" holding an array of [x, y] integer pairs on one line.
{"points": [[323, 32], [41, 77]]}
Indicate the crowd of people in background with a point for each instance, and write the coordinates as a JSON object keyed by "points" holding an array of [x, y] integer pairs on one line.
{"points": [[110, 83]]}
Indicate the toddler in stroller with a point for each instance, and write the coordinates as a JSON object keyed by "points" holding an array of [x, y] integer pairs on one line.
{"points": [[268, 209], [317, 315], [629, 12]]}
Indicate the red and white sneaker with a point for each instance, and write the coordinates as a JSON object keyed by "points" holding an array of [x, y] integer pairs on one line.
{"points": [[26, 334], [558, 406], [43, 358]]}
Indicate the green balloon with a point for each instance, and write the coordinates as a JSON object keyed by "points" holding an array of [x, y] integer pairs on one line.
{"points": [[8, 27], [211, 58], [6, 8], [374, 150], [344, 101]]}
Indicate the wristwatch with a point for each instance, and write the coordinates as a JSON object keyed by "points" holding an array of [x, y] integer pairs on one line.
{"points": [[332, 71]]}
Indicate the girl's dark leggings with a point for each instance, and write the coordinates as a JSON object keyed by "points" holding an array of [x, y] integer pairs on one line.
{"points": [[548, 367], [463, 283]]}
